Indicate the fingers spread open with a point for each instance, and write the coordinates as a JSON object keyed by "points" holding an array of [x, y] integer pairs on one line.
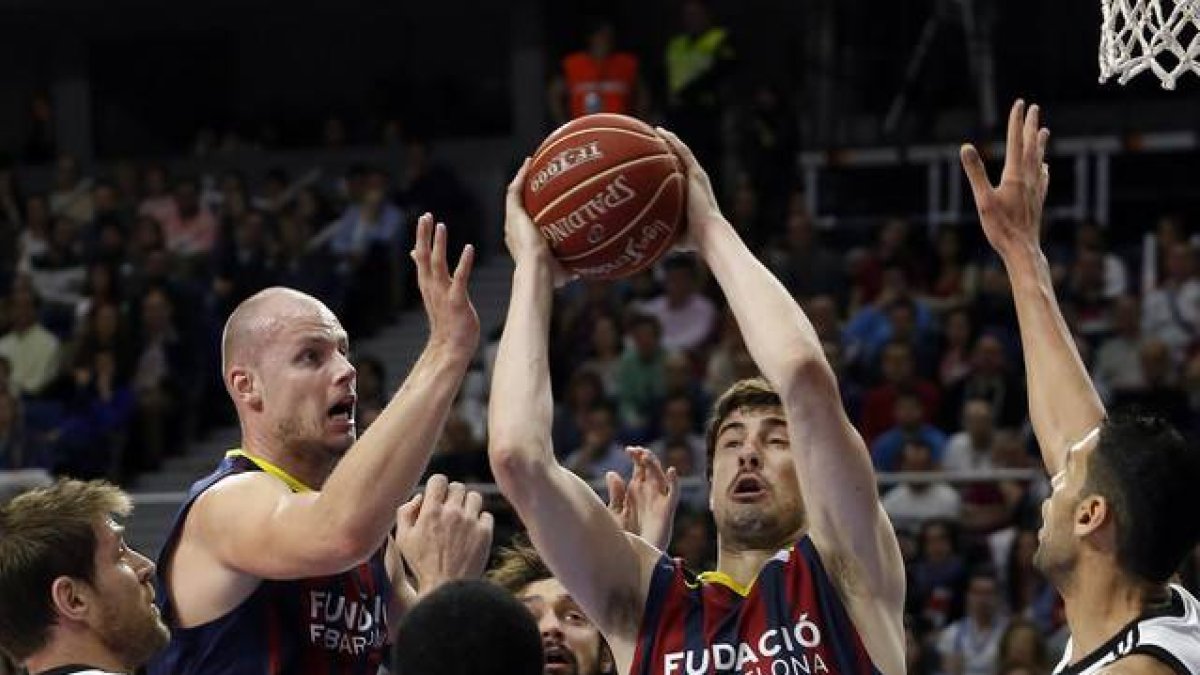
{"points": [[976, 173]]}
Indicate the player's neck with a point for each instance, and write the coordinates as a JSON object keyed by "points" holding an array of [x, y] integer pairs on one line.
{"points": [[743, 563], [311, 468], [1099, 601]]}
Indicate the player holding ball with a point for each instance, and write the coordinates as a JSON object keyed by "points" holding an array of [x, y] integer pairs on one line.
{"points": [[809, 576]]}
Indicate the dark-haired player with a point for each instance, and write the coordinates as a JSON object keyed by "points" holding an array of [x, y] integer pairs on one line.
{"points": [[1121, 516], [809, 577]]}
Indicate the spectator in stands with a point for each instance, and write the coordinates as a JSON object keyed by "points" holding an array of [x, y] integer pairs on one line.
{"points": [[910, 504], [584, 392], [971, 645], [989, 379], [729, 361], [90, 441], [604, 357], [1118, 364], [163, 381], [597, 79], [641, 377], [458, 455], [32, 350], [971, 448], [1029, 595], [428, 186], [1084, 297], [693, 541], [157, 200], [303, 267], [938, 573], [34, 239], [99, 288], [678, 427], [894, 315], [805, 265], [1089, 236], [899, 374], [192, 233], [365, 242], [58, 273], [993, 310], [679, 379], [105, 328], [1022, 646], [699, 63], [600, 452], [919, 657], [1171, 312], [886, 449], [954, 279], [687, 317], [1160, 390], [72, 194], [244, 265]]}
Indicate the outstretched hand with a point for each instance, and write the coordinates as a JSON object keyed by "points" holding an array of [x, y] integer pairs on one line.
{"points": [[452, 318], [646, 505], [1011, 213]]}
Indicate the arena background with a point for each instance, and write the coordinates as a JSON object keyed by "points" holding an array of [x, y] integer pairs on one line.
{"points": [[297, 108]]}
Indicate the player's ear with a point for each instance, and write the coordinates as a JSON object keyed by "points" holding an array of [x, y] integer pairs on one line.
{"points": [[244, 387], [1092, 512]]}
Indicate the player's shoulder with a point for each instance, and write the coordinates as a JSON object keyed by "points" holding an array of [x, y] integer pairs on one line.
{"points": [[1137, 664], [238, 494]]}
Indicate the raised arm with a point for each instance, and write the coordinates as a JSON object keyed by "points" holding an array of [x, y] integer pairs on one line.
{"points": [[266, 532], [1063, 405], [835, 472], [605, 571]]}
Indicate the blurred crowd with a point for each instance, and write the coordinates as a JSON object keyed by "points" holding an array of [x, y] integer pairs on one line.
{"points": [[115, 288]]}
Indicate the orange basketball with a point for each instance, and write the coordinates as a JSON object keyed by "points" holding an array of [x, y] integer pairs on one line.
{"points": [[607, 193]]}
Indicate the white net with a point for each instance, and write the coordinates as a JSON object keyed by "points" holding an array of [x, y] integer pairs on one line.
{"points": [[1162, 36]]}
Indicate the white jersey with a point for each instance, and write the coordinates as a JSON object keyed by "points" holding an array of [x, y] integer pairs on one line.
{"points": [[1170, 634]]}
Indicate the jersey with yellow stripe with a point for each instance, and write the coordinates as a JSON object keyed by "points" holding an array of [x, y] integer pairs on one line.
{"points": [[790, 621], [331, 625]]}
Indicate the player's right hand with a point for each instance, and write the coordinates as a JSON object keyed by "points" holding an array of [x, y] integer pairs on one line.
{"points": [[453, 322], [1011, 213], [525, 244]]}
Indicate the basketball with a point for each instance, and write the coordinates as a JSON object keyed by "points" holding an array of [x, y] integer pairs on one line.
{"points": [[607, 193]]}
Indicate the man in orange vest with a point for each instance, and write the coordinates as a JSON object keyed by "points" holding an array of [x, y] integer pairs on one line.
{"points": [[598, 79]]}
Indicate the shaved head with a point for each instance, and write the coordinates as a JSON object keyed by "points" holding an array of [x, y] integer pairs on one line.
{"points": [[260, 317]]}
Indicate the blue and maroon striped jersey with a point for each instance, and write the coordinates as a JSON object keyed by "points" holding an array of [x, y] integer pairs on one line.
{"points": [[333, 625], [789, 622]]}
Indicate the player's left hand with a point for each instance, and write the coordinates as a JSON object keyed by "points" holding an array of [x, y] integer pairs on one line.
{"points": [[646, 505], [444, 534]]}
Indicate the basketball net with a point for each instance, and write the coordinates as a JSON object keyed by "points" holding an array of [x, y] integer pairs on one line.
{"points": [[1162, 36]]}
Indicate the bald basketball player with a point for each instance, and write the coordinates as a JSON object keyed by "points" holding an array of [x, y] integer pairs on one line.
{"points": [[1121, 516], [809, 578], [278, 561]]}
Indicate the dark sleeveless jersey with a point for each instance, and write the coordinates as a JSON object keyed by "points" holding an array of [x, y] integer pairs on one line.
{"points": [[789, 622], [332, 625]]}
